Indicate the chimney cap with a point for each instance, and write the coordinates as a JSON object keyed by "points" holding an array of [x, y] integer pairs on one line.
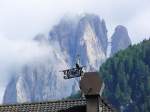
{"points": [[91, 83]]}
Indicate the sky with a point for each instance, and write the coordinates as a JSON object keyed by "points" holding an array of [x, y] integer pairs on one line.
{"points": [[22, 20]]}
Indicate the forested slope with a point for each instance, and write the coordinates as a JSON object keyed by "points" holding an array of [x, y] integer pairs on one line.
{"points": [[127, 78]]}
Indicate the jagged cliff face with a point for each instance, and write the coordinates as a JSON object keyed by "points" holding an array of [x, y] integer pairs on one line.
{"points": [[89, 42], [40, 79], [120, 39], [81, 36]]}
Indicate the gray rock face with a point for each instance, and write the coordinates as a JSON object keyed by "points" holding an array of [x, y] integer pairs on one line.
{"points": [[11, 92], [70, 34], [120, 39], [40, 79], [98, 28], [91, 41]]}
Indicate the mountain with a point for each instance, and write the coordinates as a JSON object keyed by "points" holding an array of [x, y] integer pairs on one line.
{"points": [[127, 78], [120, 39], [87, 36], [40, 79], [93, 44]]}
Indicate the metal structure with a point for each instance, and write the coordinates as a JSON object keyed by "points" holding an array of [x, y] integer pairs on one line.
{"points": [[77, 71]]}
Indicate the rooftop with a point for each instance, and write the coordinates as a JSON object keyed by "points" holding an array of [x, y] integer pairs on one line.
{"points": [[77, 105]]}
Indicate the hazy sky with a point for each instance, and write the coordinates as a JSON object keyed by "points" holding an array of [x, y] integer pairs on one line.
{"points": [[21, 20], [25, 18]]}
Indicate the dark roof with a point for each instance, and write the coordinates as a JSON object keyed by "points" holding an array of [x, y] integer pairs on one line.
{"points": [[78, 105]]}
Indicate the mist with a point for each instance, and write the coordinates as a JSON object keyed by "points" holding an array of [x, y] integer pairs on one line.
{"points": [[16, 53]]}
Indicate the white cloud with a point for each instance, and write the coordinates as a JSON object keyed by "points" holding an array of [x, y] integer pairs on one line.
{"points": [[26, 18], [139, 26]]}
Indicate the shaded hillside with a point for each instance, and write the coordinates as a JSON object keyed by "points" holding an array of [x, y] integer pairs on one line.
{"points": [[127, 78]]}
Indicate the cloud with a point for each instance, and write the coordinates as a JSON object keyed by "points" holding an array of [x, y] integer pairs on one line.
{"points": [[26, 18], [139, 26]]}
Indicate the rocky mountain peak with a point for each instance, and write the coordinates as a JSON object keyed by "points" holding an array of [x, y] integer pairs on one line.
{"points": [[120, 39], [121, 29], [98, 26], [70, 33]]}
